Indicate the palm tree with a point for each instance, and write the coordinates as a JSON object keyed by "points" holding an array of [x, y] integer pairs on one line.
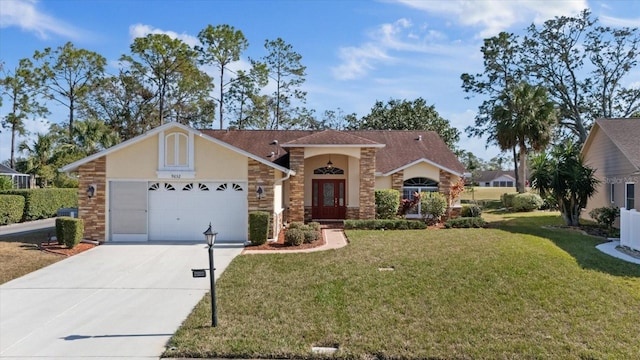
{"points": [[524, 117], [39, 155], [93, 135], [564, 175]]}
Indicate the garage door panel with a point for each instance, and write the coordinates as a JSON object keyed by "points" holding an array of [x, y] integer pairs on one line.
{"points": [[185, 212]]}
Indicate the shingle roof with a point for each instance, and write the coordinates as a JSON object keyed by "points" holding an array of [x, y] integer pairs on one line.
{"points": [[7, 170], [625, 134], [401, 148], [488, 175]]}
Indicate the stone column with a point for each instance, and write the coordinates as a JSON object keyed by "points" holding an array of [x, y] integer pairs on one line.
{"points": [[397, 181], [296, 185], [93, 210], [261, 175], [367, 183]]}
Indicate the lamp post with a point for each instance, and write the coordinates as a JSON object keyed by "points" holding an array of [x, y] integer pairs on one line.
{"points": [[211, 239]]}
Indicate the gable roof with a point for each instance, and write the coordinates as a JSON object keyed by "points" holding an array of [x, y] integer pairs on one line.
{"points": [[397, 149], [489, 175], [5, 170], [74, 165], [624, 133]]}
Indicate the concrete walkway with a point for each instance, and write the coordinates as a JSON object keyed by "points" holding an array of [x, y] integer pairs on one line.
{"points": [[335, 239], [116, 301], [609, 248]]}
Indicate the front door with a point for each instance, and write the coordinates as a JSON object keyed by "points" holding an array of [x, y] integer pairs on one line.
{"points": [[328, 199]]}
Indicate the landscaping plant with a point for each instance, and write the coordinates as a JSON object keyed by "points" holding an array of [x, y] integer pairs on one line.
{"points": [[433, 205]]}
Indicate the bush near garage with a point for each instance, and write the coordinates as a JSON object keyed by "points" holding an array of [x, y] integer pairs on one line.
{"points": [[387, 203], [11, 209], [44, 203], [527, 202], [310, 233], [69, 231], [258, 227], [294, 237]]}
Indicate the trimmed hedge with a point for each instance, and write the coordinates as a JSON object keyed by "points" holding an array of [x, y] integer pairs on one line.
{"points": [[44, 203], [11, 209], [507, 199], [387, 203], [294, 237], [379, 224], [433, 205], [470, 210], [258, 227], [465, 222], [69, 231], [527, 202]]}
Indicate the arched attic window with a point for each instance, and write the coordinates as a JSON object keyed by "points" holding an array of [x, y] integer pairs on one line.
{"points": [[326, 170]]}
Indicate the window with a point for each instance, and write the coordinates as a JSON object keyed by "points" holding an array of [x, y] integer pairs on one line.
{"points": [[417, 185], [629, 195], [176, 150], [328, 171], [612, 196]]}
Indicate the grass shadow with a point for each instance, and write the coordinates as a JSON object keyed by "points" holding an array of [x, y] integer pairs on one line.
{"points": [[580, 246]]}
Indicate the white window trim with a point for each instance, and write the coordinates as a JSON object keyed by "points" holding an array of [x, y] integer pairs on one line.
{"points": [[176, 172], [612, 194], [626, 194]]}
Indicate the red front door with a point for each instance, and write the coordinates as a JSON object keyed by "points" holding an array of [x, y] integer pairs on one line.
{"points": [[328, 199]]}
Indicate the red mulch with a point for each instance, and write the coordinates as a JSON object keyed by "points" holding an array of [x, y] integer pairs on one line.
{"points": [[57, 249], [280, 245]]}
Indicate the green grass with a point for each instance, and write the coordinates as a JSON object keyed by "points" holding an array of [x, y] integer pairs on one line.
{"points": [[516, 291], [480, 193]]}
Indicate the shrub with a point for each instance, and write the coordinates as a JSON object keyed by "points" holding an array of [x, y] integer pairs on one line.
{"points": [[387, 203], [11, 208], [605, 216], [314, 225], [310, 235], [527, 202], [296, 225], [471, 211], [465, 222], [258, 227], [5, 183], [379, 224], [507, 199], [433, 206], [44, 203], [294, 237], [69, 231]]}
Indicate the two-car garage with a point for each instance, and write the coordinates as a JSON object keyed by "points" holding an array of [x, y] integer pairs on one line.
{"points": [[177, 210]]}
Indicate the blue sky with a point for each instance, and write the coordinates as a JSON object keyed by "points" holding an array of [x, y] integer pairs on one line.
{"points": [[356, 51]]}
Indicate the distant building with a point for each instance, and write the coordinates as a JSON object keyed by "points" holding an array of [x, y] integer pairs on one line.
{"points": [[496, 178], [20, 181]]}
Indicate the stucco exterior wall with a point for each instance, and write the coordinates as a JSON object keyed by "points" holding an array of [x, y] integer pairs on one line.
{"points": [[422, 170], [383, 182], [120, 166]]}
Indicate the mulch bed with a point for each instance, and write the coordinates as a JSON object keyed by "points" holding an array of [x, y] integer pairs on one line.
{"points": [[62, 250], [280, 245]]}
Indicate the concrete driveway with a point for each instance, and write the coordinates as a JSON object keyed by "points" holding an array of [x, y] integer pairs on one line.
{"points": [[114, 301]]}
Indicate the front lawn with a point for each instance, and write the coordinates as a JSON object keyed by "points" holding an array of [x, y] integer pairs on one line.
{"points": [[19, 254], [516, 291]]}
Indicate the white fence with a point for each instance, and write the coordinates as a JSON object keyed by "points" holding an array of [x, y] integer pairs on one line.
{"points": [[630, 228]]}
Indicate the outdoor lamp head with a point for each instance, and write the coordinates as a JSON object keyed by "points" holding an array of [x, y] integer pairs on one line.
{"points": [[210, 236], [91, 190]]}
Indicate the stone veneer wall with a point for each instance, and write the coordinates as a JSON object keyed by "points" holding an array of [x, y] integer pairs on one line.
{"points": [[262, 175], [367, 183], [296, 185], [397, 181], [352, 213], [93, 210]]}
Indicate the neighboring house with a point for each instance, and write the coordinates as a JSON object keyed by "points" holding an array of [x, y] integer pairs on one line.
{"points": [[496, 178], [20, 181], [613, 150], [169, 183]]}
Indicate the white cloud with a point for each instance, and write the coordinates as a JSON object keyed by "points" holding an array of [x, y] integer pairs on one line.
{"points": [[26, 15], [357, 61], [495, 16], [141, 30], [619, 22]]}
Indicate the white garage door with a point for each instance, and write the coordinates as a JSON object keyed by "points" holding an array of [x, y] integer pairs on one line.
{"points": [[182, 211]]}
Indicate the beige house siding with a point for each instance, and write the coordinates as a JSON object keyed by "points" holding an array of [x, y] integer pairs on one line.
{"points": [[422, 170], [611, 166], [383, 182], [145, 152]]}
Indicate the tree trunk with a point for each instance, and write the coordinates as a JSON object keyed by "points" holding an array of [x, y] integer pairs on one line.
{"points": [[515, 165], [521, 185], [221, 94]]}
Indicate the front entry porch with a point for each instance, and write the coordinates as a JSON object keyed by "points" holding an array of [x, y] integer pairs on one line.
{"points": [[328, 199]]}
